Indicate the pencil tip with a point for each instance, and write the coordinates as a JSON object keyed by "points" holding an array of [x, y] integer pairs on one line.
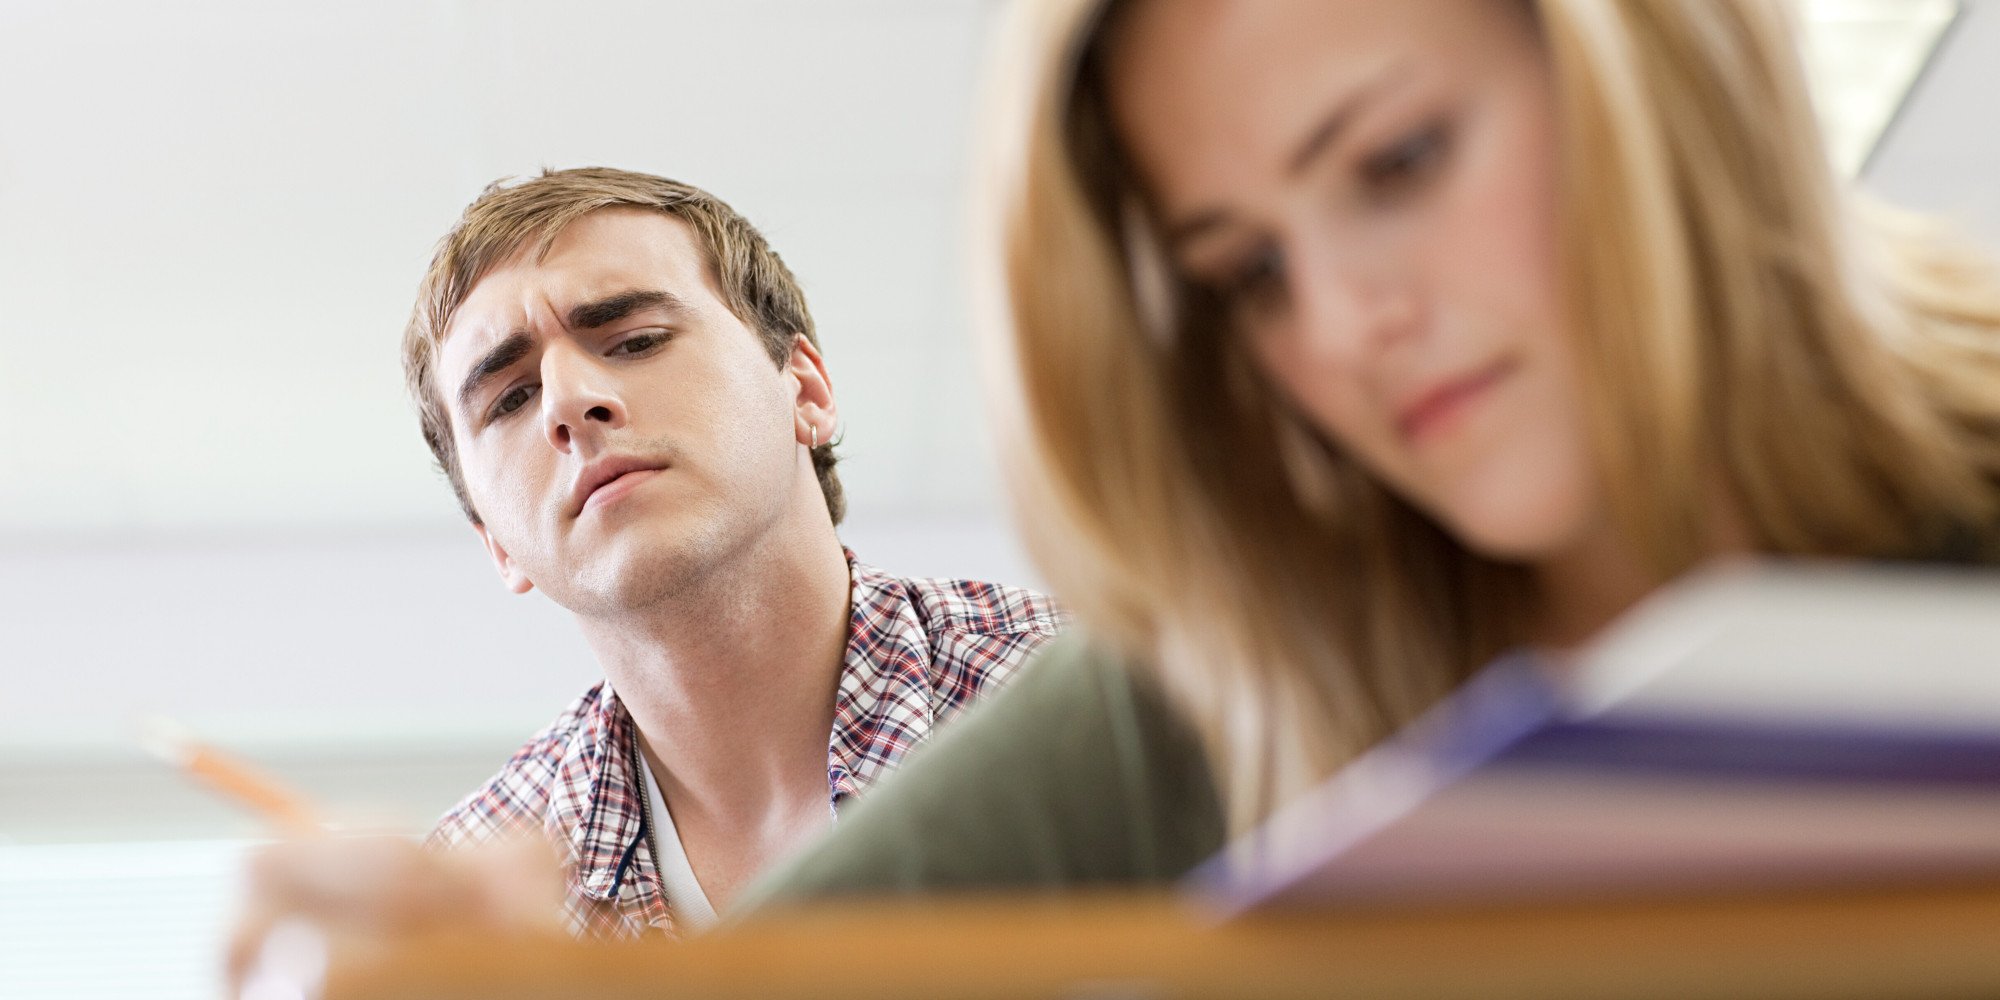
{"points": [[164, 738]]}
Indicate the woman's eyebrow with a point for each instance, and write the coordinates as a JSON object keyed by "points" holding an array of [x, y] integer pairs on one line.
{"points": [[1324, 133], [1342, 115]]}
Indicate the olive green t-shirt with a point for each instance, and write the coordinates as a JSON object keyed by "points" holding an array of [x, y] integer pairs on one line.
{"points": [[1077, 774]]}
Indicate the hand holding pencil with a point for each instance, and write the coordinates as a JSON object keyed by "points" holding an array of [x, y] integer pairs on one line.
{"points": [[361, 892]]}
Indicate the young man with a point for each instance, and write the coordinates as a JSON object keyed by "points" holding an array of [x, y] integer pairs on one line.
{"points": [[622, 383]]}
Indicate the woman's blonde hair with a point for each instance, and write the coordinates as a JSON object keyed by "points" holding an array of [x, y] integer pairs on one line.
{"points": [[1738, 317]]}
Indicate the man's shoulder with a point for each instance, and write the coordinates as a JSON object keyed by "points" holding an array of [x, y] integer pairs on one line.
{"points": [[520, 797], [976, 607], [978, 634]]}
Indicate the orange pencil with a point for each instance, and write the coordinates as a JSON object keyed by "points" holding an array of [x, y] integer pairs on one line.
{"points": [[284, 808]]}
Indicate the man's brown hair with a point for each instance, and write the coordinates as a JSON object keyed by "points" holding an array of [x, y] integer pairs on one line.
{"points": [[755, 283]]}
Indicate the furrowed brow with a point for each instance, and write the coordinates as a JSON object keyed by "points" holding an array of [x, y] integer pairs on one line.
{"points": [[602, 312], [491, 364]]}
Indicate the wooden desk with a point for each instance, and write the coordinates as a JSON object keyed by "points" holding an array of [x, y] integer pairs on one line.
{"points": [[1939, 942]]}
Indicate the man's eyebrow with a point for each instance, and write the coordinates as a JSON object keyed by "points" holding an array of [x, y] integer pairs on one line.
{"points": [[611, 309], [1317, 141], [502, 357]]}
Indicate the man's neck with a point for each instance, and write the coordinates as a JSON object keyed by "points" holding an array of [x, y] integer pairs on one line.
{"points": [[732, 687]]}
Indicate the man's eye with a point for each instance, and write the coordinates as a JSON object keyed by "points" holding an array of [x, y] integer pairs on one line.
{"points": [[1406, 162], [513, 399], [643, 343]]}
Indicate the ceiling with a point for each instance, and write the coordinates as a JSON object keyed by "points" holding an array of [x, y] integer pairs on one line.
{"points": [[213, 215]]}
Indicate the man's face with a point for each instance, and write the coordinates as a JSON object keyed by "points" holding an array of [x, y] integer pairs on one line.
{"points": [[619, 429]]}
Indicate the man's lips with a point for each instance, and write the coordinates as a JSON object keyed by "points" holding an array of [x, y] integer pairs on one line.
{"points": [[616, 488], [1429, 409], [608, 479]]}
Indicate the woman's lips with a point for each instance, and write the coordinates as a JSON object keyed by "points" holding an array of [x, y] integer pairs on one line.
{"points": [[1435, 407]]}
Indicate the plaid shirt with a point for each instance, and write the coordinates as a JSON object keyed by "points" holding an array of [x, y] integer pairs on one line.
{"points": [[918, 652]]}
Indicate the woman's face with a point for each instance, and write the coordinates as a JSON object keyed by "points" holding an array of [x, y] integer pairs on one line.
{"points": [[1371, 188]]}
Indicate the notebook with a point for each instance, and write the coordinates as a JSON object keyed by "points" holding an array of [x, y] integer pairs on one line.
{"points": [[1754, 726]]}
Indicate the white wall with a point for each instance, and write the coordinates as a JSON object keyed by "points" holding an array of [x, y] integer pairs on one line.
{"points": [[1942, 154], [215, 213], [213, 500]]}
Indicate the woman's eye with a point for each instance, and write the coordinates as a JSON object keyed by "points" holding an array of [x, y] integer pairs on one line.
{"points": [[1405, 162], [1248, 286], [1256, 281]]}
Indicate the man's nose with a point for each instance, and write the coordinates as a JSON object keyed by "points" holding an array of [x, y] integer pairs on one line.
{"points": [[579, 399]]}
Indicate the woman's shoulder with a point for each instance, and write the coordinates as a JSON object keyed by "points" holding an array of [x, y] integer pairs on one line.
{"points": [[1080, 772]]}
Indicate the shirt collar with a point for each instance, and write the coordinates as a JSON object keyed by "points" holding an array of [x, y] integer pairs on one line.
{"points": [[883, 706], [600, 816]]}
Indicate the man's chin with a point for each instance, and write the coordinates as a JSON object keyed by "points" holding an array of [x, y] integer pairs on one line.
{"points": [[634, 575]]}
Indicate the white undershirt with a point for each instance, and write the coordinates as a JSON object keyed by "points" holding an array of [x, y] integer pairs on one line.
{"points": [[685, 900]]}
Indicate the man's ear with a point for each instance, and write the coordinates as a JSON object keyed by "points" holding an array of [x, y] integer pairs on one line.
{"points": [[812, 403], [510, 574]]}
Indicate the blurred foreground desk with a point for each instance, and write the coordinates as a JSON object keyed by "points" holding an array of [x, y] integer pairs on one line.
{"points": [[1940, 942]]}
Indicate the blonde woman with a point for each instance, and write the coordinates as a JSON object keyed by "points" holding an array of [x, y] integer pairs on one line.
{"points": [[1356, 342]]}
